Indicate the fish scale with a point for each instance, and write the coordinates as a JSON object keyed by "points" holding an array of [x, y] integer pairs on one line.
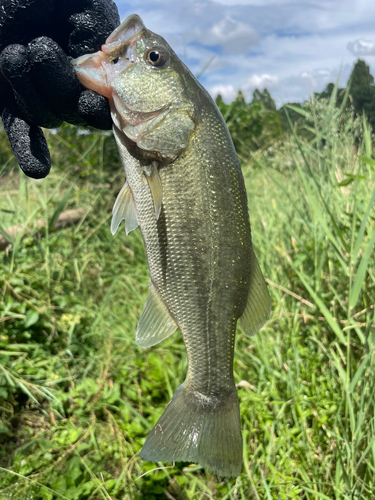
{"points": [[186, 191], [208, 332]]}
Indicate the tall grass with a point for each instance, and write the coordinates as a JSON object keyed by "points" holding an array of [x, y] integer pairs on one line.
{"points": [[319, 223], [78, 397]]}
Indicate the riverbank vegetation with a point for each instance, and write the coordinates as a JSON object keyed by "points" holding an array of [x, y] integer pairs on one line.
{"points": [[78, 396]]}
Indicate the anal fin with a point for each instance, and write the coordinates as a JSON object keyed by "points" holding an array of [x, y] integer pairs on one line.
{"points": [[258, 306], [124, 208], [155, 323]]}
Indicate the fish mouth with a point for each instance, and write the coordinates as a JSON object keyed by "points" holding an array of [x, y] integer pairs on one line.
{"points": [[97, 71], [93, 69], [91, 73], [124, 33]]}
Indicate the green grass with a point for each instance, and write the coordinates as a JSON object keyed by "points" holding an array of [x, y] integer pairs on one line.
{"points": [[78, 397]]}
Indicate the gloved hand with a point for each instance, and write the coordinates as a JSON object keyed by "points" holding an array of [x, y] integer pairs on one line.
{"points": [[38, 86]]}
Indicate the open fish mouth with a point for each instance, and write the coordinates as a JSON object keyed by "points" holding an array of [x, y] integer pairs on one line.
{"points": [[124, 33], [116, 56]]}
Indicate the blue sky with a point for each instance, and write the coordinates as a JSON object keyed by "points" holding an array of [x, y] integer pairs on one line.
{"points": [[290, 47]]}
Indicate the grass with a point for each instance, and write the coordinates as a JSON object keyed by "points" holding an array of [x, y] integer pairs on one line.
{"points": [[78, 397]]}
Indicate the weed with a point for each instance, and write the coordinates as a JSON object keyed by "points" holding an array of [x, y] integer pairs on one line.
{"points": [[78, 397]]}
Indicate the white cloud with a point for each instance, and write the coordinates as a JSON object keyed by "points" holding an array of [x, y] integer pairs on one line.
{"points": [[260, 82], [232, 3], [233, 36], [299, 86], [361, 47], [316, 74], [287, 46], [227, 92]]}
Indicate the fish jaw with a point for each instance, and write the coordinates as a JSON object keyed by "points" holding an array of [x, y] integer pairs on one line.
{"points": [[90, 71], [97, 71], [124, 33], [148, 101]]}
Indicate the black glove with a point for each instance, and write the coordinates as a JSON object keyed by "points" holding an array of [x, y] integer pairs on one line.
{"points": [[38, 86]]}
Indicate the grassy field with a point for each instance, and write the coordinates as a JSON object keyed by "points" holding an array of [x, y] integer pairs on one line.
{"points": [[78, 397]]}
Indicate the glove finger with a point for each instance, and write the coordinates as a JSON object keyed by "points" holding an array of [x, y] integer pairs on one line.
{"points": [[56, 79], [62, 26], [92, 27], [23, 20], [61, 88], [6, 94], [94, 110], [28, 144], [16, 69]]}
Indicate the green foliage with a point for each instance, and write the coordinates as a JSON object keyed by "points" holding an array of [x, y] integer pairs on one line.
{"points": [[362, 92], [78, 397], [252, 125], [331, 89], [328, 257], [6, 155], [82, 151], [361, 76]]}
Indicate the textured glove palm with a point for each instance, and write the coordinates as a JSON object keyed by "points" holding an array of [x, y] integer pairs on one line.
{"points": [[38, 87]]}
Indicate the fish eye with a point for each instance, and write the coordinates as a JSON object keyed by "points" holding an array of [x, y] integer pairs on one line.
{"points": [[156, 57], [115, 60]]}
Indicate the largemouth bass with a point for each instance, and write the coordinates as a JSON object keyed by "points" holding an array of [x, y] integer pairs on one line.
{"points": [[185, 190]]}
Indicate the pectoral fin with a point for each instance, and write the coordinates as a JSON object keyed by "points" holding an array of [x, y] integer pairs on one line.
{"points": [[154, 181], [124, 208], [258, 306], [155, 323]]}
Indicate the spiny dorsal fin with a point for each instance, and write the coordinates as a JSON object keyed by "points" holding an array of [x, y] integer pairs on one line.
{"points": [[155, 323], [124, 208], [154, 181], [258, 306]]}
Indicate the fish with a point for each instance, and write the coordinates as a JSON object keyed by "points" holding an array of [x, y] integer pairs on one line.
{"points": [[185, 190]]}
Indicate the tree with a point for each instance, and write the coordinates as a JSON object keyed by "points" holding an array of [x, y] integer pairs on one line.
{"points": [[254, 124], [327, 93], [362, 90], [265, 98], [361, 76]]}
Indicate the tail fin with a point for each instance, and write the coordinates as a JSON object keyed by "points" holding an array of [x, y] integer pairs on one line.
{"points": [[195, 428]]}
